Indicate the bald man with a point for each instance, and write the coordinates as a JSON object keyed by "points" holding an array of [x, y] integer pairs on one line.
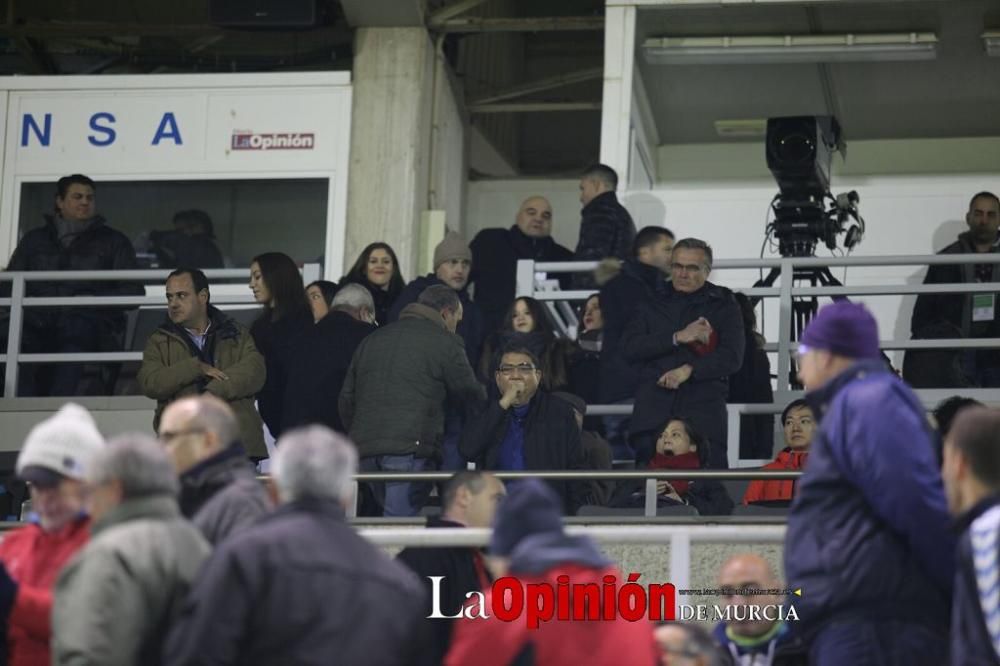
{"points": [[750, 637], [495, 253]]}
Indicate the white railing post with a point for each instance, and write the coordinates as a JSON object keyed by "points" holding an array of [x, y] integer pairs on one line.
{"points": [[650, 506], [680, 562], [14, 336], [525, 278]]}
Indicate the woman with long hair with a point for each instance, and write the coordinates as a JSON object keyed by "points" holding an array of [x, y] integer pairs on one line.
{"points": [[377, 269], [585, 361], [277, 285], [526, 325]]}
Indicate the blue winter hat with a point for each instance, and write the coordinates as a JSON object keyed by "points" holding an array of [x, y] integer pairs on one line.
{"points": [[843, 328], [530, 508]]}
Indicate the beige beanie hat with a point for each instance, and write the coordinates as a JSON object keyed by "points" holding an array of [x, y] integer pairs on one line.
{"points": [[452, 247]]}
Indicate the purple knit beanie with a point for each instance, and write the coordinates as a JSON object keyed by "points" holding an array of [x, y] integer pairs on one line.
{"points": [[843, 328]]}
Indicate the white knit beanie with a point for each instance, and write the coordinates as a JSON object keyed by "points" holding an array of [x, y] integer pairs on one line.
{"points": [[64, 443]]}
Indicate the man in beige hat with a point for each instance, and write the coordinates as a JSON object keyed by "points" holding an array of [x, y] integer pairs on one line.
{"points": [[54, 461]]}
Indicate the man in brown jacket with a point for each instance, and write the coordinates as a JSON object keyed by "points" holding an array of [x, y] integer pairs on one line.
{"points": [[200, 350]]}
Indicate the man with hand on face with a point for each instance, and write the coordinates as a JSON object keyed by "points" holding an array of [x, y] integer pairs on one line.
{"points": [[198, 349], [688, 340], [526, 429], [495, 253]]}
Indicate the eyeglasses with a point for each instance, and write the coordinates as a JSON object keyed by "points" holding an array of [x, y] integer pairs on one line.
{"points": [[519, 369], [687, 268], [168, 436]]}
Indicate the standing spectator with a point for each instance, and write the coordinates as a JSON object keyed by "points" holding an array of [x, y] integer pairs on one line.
{"points": [[799, 425], [642, 277], [526, 429], [943, 415], [585, 359], [277, 285], [301, 586], [470, 499], [754, 640], [869, 527], [961, 315], [606, 228], [529, 543], [320, 293], [495, 253], [191, 243], [377, 270], [198, 349], [54, 460], [972, 480], [594, 449], [115, 601], [75, 238], [220, 492], [752, 384], [394, 397], [452, 263], [318, 367], [527, 326], [688, 341]]}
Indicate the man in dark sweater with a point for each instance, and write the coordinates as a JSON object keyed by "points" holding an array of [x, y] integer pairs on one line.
{"points": [[495, 253], [470, 500], [971, 475], [606, 228]]}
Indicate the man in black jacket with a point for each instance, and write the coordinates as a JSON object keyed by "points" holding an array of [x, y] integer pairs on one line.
{"points": [[75, 239], [470, 499], [317, 367], [495, 253], [606, 228], [526, 429], [644, 275], [961, 315], [301, 586], [971, 475], [688, 341]]}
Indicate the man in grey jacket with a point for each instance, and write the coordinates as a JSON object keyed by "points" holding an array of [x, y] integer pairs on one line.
{"points": [[115, 600], [394, 397], [220, 492]]}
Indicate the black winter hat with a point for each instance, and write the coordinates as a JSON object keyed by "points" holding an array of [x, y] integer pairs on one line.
{"points": [[531, 507]]}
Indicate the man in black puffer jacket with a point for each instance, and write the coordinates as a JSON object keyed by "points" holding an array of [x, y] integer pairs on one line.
{"points": [[606, 228]]}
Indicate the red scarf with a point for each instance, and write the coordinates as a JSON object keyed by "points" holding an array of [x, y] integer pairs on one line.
{"points": [[684, 461]]}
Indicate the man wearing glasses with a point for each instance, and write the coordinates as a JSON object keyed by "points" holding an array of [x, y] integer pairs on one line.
{"points": [[687, 340], [526, 429]]}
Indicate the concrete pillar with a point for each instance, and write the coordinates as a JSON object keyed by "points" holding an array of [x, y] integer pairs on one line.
{"points": [[390, 141]]}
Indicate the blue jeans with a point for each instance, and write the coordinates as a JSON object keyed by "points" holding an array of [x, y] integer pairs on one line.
{"points": [[878, 643], [401, 499]]}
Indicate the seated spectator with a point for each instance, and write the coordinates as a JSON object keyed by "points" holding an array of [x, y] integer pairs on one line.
{"points": [[526, 429], [220, 492], [585, 358], [754, 639], [527, 326], [683, 644], [596, 450], [452, 264], [277, 285], [198, 349], [962, 315], [115, 601], [752, 384], [317, 368], [396, 391], [606, 228], [320, 293], [495, 253], [377, 270], [54, 460], [799, 423], [944, 414], [301, 586], [529, 543], [75, 238], [679, 447], [470, 499], [191, 243]]}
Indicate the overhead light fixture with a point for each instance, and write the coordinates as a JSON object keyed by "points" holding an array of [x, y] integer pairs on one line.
{"points": [[991, 42], [764, 49], [741, 129]]}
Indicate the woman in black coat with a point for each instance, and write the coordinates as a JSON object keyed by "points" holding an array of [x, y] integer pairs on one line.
{"points": [[377, 269], [277, 285], [585, 360]]}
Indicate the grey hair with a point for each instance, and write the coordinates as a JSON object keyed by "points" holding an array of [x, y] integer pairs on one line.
{"points": [[353, 297], [700, 642], [138, 463], [314, 463], [215, 415], [695, 244], [439, 298]]}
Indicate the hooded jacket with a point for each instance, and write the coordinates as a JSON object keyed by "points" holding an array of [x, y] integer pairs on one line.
{"points": [[399, 383], [782, 649], [170, 370]]}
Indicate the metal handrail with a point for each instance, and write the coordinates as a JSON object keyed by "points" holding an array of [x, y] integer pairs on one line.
{"points": [[595, 475]]}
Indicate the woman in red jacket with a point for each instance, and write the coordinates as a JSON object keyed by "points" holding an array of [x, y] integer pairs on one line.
{"points": [[798, 422], [53, 461]]}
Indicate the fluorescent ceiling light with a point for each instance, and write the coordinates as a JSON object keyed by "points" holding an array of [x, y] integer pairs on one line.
{"points": [[991, 42], [790, 49]]}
